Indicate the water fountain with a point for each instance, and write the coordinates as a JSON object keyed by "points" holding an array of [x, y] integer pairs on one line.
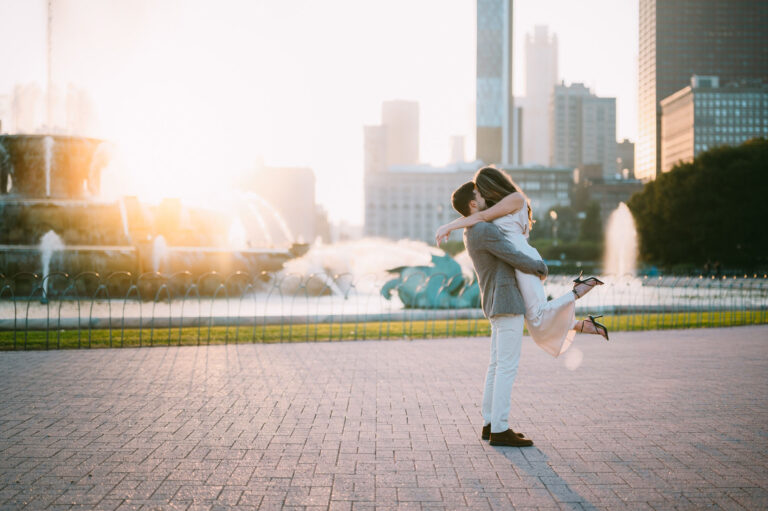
{"points": [[620, 243], [124, 218], [440, 285], [237, 235], [49, 244], [159, 253], [50, 185], [44, 183], [403, 267]]}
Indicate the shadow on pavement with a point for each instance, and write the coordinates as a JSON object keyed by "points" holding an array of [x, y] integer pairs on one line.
{"points": [[532, 462]]}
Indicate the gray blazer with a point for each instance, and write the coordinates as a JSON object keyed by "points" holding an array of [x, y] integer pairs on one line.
{"points": [[495, 260]]}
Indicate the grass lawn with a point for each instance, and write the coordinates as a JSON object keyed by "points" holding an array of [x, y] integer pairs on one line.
{"points": [[191, 336]]}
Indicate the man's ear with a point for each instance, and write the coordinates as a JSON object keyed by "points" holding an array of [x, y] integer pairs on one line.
{"points": [[473, 204]]}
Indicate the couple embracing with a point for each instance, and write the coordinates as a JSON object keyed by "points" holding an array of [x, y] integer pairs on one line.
{"points": [[497, 218]]}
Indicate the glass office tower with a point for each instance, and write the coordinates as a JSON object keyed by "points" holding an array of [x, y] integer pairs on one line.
{"points": [[495, 104]]}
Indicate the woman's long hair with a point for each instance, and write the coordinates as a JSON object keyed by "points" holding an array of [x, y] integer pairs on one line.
{"points": [[494, 184]]}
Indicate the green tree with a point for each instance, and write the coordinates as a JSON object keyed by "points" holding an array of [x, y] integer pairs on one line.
{"points": [[713, 209], [592, 225], [567, 224], [580, 196], [452, 247]]}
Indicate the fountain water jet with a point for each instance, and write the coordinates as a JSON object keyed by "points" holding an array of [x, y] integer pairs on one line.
{"points": [[124, 218], [263, 226], [100, 160], [366, 260], [159, 252], [49, 243], [278, 218], [620, 243], [237, 236]]}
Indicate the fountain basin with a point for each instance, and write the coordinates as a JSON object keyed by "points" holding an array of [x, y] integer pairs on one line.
{"points": [[202, 260], [72, 259], [56, 166], [102, 261], [49, 186], [78, 222]]}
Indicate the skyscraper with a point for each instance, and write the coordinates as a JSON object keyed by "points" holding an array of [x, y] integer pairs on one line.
{"points": [[583, 129], [495, 127], [625, 159], [681, 38], [540, 79], [565, 124], [400, 120], [457, 149], [396, 140], [704, 115]]}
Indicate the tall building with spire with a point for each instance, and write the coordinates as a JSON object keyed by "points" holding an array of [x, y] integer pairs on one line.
{"points": [[682, 38], [540, 80], [495, 110]]}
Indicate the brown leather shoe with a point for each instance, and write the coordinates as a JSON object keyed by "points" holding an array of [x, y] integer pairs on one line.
{"points": [[486, 434], [509, 438]]}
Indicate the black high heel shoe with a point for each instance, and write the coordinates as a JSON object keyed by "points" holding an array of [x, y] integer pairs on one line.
{"points": [[596, 324], [590, 281]]}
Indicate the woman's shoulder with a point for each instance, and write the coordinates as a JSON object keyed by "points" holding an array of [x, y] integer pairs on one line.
{"points": [[508, 219], [512, 223]]}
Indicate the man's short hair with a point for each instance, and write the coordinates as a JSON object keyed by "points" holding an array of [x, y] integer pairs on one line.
{"points": [[462, 196]]}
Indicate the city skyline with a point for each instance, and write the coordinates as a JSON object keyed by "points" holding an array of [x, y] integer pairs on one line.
{"points": [[440, 75]]}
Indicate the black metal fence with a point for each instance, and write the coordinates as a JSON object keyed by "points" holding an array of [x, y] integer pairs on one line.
{"points": [[121, 309]]}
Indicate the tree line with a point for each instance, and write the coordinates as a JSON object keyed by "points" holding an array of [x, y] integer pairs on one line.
{"points": [[710, 212]]}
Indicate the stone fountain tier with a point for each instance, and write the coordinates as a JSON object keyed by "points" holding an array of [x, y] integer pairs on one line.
{"points": [[73, 260], [94, 264], [50, 184], [78, 222], [104, 260], [50, 166], [201, 260]]}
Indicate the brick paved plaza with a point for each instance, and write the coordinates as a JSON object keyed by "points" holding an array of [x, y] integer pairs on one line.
{"points": [[651, 420]]}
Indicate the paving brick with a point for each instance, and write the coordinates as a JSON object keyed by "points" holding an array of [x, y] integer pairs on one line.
{"points": [[651, 420]]}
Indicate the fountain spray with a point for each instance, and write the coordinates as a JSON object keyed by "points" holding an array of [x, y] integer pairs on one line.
{"points": [[49, 243]]}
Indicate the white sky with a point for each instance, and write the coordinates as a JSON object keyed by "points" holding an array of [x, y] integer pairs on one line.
{"points": [[197, 91]]}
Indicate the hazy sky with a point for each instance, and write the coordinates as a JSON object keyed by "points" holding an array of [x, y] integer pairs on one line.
{"points": [[198, 91]]}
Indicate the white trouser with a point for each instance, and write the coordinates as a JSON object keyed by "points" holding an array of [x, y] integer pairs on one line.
{"points": [[506, 341]]}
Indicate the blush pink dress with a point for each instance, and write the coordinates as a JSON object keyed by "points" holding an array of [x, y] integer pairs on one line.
{"points": [[550, 323]]}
